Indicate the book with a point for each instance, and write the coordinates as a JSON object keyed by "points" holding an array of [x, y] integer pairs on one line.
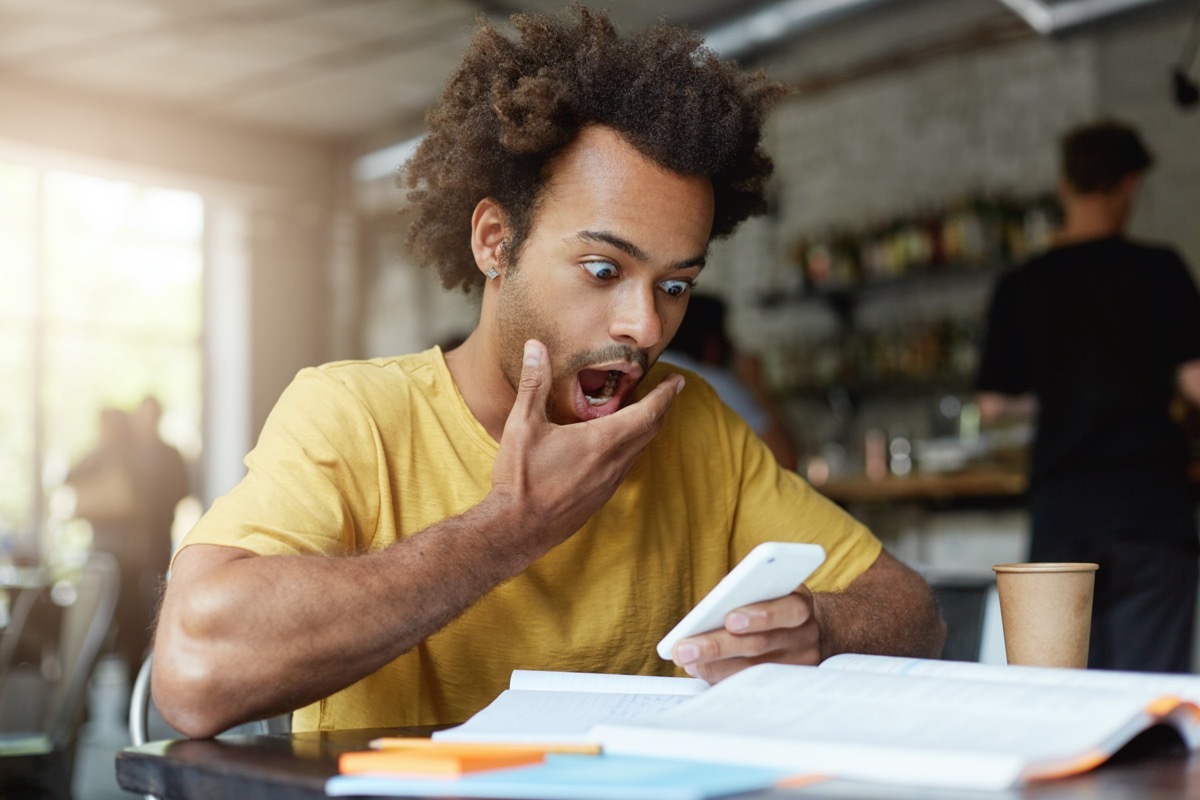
{"points": [[913, 722], [577, 777], [546, 707], [1183, 686]]}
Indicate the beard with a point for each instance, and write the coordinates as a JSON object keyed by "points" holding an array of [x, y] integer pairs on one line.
{"points": [[520, 319]]}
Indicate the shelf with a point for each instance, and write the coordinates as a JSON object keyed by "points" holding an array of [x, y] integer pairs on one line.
{"points": [[897, 387], [970, 485], [842, 297]]}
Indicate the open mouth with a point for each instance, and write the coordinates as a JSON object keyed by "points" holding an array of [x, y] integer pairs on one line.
{"points": [[603, 391], [599, 386]]}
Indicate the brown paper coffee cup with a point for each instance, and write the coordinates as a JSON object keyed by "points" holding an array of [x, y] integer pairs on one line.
{"points": [[1046, 612]]}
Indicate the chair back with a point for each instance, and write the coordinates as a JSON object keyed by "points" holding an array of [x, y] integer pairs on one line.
{"points": [[23, 688], [146, 724], [18, 618], [37, 759], [963, 601], [85, 626]]}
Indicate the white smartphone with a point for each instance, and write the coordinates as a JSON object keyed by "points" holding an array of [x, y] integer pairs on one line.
{"points": [[770, 570]]}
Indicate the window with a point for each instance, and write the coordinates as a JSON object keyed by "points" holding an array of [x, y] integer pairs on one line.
{"points": [[100, 306]]}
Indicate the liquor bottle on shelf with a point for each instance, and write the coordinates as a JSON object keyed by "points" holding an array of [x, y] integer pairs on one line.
{"points": [[818, 264], [1042, 217], [982, 230]]}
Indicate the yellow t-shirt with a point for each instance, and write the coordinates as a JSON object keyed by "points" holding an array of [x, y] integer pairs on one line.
{"points": [[357, 455]]}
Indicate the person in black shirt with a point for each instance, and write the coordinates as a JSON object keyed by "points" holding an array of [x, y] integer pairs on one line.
{"points": [[1097, 337]]}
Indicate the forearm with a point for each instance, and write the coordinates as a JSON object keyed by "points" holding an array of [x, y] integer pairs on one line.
{"points": [[889, 610], [250, 637]]}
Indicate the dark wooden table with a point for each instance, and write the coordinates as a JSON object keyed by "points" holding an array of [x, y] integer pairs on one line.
{"points": [[295, 767]]}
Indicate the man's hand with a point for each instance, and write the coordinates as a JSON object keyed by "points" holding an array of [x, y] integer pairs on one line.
{"points": [[557, 476], [887, 610], [781, 631]]}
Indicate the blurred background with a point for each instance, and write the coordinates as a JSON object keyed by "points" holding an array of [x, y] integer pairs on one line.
{"points": [[198, 198]]}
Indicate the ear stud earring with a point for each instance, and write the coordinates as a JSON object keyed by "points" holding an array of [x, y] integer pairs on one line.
{"points": [[492, 274]]}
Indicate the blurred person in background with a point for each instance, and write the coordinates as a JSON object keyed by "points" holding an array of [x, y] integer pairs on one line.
{"points": [[702, 345], [105, 482], [127, 489], [1094, 339], [162, 481]]}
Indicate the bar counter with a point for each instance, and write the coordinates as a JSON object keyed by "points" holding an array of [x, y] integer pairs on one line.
{"points": [[973, 483], [970, 484]]}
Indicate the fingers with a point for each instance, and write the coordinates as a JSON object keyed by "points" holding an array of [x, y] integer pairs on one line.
{"points": [[783, 630], [638, 422], [790, 611], [717, 671], [717, 655], [534, 387]]}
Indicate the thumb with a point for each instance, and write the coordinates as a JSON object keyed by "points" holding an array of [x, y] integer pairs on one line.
{"points": [[534, 388]]}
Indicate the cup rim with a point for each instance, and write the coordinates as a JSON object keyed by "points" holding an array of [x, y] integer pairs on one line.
{"points": [[1048, 566]]}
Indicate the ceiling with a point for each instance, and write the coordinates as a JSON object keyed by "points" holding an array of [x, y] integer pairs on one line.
{"points": [[340, 70]]}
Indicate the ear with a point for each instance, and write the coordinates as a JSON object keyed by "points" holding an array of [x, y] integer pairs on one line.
{"points": [[1063, 189], [1131, 183], [488, 231]]}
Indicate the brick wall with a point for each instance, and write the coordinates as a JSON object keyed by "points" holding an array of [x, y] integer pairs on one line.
{"points": [[1133, 83], [922, 136]]}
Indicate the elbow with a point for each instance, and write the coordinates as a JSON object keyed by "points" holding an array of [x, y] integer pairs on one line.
{"points": [[198, 679], [188, 694], [194, 689]]}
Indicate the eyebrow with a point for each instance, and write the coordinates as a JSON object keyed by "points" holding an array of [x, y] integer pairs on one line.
{"points": [[628, 247]]}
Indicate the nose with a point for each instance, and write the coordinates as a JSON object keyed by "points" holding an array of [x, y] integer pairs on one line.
{"points": [[636, 320]]}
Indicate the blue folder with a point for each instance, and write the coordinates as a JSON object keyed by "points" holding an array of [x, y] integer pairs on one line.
{"points": [[574, 777]]}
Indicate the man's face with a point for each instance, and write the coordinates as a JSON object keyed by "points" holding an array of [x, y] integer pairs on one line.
{"points": [[605, 274]]}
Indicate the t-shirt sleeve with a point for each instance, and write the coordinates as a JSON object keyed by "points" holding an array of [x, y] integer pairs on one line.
{"points": [[739, 398], [776, 504], [1003, 363], [300, 494]]}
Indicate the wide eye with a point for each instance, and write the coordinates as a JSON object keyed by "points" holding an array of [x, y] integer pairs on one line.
{"points": [[676, 288], [604, 270]]}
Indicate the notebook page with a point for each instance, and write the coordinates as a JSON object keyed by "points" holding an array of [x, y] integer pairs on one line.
{"points": [[555, 716], [546, 680]]}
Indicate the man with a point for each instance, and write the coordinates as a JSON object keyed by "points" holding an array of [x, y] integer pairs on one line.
{"points": [[1095, 337], [161, 481], [412, 529], [107, 488]]}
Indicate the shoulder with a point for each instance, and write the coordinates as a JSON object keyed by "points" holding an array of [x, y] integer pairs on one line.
{"points": [[698, 416], [381, 380], [698, 393], [1151, 250], [1163, 263], [415, 369], [1121, 251], [337, 393]]}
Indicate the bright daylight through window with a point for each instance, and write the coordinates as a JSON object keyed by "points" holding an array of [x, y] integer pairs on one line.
{"points": [[100, 307]]}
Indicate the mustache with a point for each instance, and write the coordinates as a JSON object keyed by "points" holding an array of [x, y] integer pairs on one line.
{"points": [[607, 355]]}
